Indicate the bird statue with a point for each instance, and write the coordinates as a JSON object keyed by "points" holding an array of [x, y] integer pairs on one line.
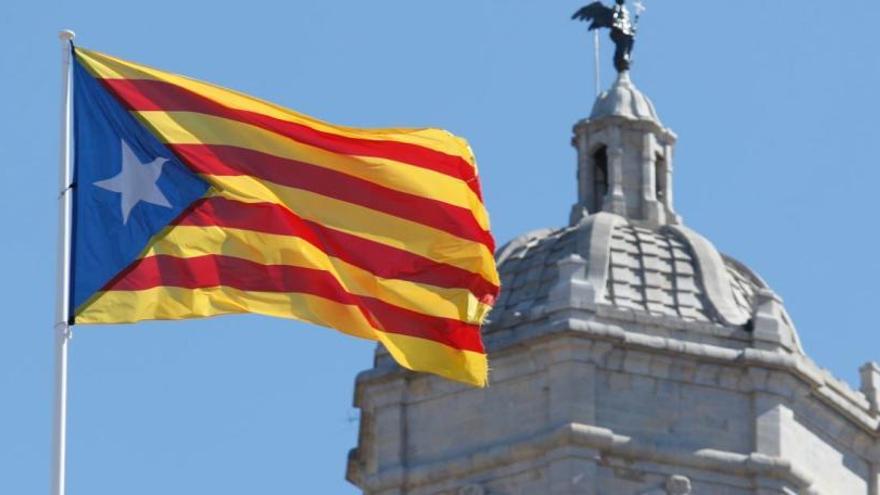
{"points": [[616, 18]]}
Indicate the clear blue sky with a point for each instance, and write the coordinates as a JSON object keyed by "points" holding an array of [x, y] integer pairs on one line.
{"points": [[776, 109]]}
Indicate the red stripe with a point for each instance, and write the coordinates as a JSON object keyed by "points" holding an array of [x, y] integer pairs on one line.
{"points": [[143, 95], [381, 260], [215, 270], [231, 160]]}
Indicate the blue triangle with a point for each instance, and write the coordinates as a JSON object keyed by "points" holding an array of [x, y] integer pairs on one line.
{"points": [[103, 245]]}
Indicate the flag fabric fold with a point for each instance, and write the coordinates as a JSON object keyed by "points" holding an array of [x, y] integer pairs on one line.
{"points": [[193, 200]]}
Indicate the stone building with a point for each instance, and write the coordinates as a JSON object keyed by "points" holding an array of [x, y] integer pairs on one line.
{"points": [[629, 357]]}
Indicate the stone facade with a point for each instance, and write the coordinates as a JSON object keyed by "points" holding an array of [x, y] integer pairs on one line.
{"points": [[628, 357]]}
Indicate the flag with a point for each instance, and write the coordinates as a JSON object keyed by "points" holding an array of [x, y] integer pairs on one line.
{"points": [[191, 200]]}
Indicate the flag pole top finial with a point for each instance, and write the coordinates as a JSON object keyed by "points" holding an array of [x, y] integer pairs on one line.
{"points": [[66, 35]]}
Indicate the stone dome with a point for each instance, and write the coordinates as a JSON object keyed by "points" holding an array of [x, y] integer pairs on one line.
{"points": [[624, 100], [627, 261], [668, 278]]}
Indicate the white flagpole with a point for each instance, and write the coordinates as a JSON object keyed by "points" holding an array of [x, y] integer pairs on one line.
{"points": [[62, 328], [596, 60]]}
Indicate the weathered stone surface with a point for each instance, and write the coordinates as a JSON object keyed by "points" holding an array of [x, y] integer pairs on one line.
{"points": [[629, 357], [625, 101]]}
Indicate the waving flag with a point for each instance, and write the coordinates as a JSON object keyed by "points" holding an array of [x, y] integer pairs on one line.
{"points": [[193, 200]]}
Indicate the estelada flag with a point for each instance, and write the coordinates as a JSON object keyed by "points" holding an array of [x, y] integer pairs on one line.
{"points": [[191, 200]]}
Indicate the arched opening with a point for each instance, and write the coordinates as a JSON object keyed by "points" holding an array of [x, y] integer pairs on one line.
{"points": [[660, 177], [600, 178]]}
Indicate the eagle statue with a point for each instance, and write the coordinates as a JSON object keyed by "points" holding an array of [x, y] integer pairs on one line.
{"points": [[616, 18]]}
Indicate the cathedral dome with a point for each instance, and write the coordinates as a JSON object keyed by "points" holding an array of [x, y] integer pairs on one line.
{"points": [[668, 277], [627, 261], [624, 100]]}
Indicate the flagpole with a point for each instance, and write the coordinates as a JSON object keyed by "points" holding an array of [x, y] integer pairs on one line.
{"points": [[596, 61], [62, 327]]}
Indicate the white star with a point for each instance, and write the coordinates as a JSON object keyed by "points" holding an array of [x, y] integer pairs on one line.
{"points": [[136, 182]]}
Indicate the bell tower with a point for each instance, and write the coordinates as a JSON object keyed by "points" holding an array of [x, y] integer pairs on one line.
{"points": [[624, 161], [628, 356]]}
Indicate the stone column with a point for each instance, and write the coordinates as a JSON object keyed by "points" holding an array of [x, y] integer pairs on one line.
{"points": [[667, 198], [585, 171], [585, 177], [769, 415], [652, 210]]}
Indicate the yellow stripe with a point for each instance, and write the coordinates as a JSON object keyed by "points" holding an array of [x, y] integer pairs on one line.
{"points": [[196, 128], [425, 355], [173, 303], [108, 67], [390, 230], [176, 303], [184, 241]]}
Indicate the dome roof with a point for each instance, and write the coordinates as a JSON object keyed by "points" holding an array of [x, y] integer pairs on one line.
{"points": [[627, 262], [669, 277], [624, 100]]}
